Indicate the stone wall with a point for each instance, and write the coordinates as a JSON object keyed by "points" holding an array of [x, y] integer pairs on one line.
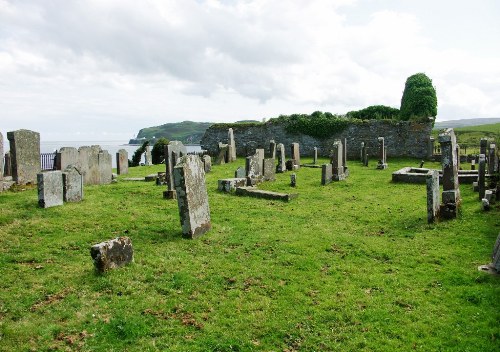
{"points": [[401, 138]]}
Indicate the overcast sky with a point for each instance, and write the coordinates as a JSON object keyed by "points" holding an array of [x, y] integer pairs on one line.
{"points": [[101, 70]]}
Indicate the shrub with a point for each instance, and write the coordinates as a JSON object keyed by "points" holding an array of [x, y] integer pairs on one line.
{"points": [[419, 101], [158, 151], [136, 158], [375, 112]]}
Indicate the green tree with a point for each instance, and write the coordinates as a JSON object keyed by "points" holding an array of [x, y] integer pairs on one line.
{"points": [[419, 101], [136, 158], [375, 112], [158, 151]]}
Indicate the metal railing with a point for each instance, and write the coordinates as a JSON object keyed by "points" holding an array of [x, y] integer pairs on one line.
{"points": [[47, 161]]}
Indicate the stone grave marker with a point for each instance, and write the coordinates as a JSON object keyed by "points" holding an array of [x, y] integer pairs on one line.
{"points": [[344, 157], [222, 154], [240, 172], [281, 167], [105, 167], [481, 179], [382, 162], [231, 146], [72, 184], [174, 150], [451, 191], [296, 154], [148, 160], [315, 155], [336, 161], [25, 156], [293, 180], [269, 170], [430, 148], [112, 254], [230, 184], [122, 162], [252, 166], [192, 196], [326, 174], [492, 156], [66, 156], [272, 149], [433, 203], [207, 163], [50, 189]]}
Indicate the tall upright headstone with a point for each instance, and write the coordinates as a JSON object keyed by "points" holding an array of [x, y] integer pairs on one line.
{"points": [[50, 189], [7, 169], [451, 191], [457, 152], [1, 160], [433, 203], [25, 156], [269, 170], [336, 161], [222, 154], [174, 150], [315, 155], [492, 159], [344, 157], [361, 151], [192, 196], [148, 160], [122, 162], [66, 156], [483, 146], [382, 162], [481, 179], [207, 163], [105, 162], [231, 146], [72, 184], [326, 174], [281, 167], [272, 149], [430, 148], [296, 154]]}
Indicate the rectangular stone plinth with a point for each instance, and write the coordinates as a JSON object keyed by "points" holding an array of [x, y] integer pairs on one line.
{"points": [[112, 254], [50, 189], [230, 184], [257, 193]]}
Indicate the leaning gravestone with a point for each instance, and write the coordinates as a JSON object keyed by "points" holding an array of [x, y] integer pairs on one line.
{"points": [[66, 156], [122, 162], [112, 254], [433, 203], [72, 184], [50, 189], [25, 156], [192, 197]]}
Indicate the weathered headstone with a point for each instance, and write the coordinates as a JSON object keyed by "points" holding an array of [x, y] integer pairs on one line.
{"points": [[66, 156], [72, 184], [481, 179], [430, 148], [382, 162], [315, 155], [296, 154], [148, 160], [344, 157], [269, 170], [88, 164], [192, 197], [207, 163], [485, 204], [105, 161], [495, 263], [336, 161], [174, 150], [281, 167], [1, 161], [122, 162], [326, 174], [112, 254], [50, 189], [7, 169], [293, 180], [25, 156], [252, 166], [231, 146], [240, 172], [272, 149], [451, 191], [483, 145], [433, 203], [492, 156], [222, 154], [229, 184], [361, 152]]}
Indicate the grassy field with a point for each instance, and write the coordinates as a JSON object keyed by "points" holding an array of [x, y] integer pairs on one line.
{"points": [[470, 136], [351, 266]]}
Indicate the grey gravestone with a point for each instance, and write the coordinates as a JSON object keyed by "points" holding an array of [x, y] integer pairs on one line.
{"points": [[260, 155], [326, 174], [336, 161], [105, 161], [485, 204], [433, 204], [488, 195], [272, 149], [344, 157], [192, 197], [229, 184], [365, 155], [88, 164], [72, 184], [25, 156], [280, 148], [269, 170], [296, 153], [492, 159], [7, 170], [50, 189], [122, 162], [1, 160], [496, 255], [457, 151], [293, 180], [174, 150], [207, 163], [252, 167], [361, 152], [483, 145], [451, 191], [66, 156], [222, 154], [240, 172], [112, 254], [430, 148], [382, 163], [481, 180], [315, 155], [148, 161], [231, 146]]}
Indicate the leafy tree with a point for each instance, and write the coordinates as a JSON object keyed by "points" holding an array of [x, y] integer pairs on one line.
{"points": [[158, 151], [136, 158], [375, 112], [419, 101]]}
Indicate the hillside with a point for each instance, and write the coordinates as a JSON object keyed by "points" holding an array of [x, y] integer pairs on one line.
{"points": [[465, 122], [470, 136], [186, 131]]}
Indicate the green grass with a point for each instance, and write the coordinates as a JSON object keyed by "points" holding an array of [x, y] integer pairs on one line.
{"points": [[351, 266], [470, 136]]}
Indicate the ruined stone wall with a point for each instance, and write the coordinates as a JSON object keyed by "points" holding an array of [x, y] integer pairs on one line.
{"points": [[402, 138]]}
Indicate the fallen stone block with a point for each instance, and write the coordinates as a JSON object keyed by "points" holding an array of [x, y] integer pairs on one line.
{"points": [[257, 193], [112, 254]]}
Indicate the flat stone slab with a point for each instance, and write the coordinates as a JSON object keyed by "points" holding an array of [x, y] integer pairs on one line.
{"points": [[151, 177], [314, 166], [134, 179], [258, 193], [418, 175], [112, 254]]}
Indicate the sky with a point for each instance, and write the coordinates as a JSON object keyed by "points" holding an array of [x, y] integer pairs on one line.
{"points": [[104, 69]]}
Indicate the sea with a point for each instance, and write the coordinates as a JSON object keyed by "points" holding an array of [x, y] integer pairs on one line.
{"points": [[111, 146]]}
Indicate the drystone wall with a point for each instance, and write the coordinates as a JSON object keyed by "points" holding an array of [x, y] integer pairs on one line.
{"points": [[401, 138]]}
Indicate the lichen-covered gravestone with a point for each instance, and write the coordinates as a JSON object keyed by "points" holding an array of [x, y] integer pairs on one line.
{"points": [[192, 196], [122, 162], [296, 154], [207, 163], [173, 152], [451, 191], [50, 189], [72, 184], [25, 156], [433, 203], [269, 170], [281, 167], [105, 161], [112, 254]]}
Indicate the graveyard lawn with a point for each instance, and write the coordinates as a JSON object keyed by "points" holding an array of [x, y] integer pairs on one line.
{"points": [[349, 266]]}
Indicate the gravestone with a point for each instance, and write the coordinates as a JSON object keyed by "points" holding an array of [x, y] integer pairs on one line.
{"points": [[296, 154], [457, 151], [122, 162], [66, 156], [492, 156], [361, 152], [495, 263], [25, 156], [88, 164], [192, 197], [481, 179], [326, 174], [231, 146], [473, 164], [382, 162], [50, 189], [272, 149], [451, 191], [230, 184], [293, 180], [250, 148], [269, 170], [148, 160], [240, 172], [1, 161], [433, 203], [344, 157], [207, 163], [174, 150], [72, 184], [290, 165], [315, 155], [105, 162], [430, 148], [222, 154], [252, 166], [483, 145], [365, 155], [112, 254], [336, 161], [7, 169], [281, 167]]}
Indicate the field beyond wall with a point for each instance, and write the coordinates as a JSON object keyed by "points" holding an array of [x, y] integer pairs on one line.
{"points": [[351, 266]]}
